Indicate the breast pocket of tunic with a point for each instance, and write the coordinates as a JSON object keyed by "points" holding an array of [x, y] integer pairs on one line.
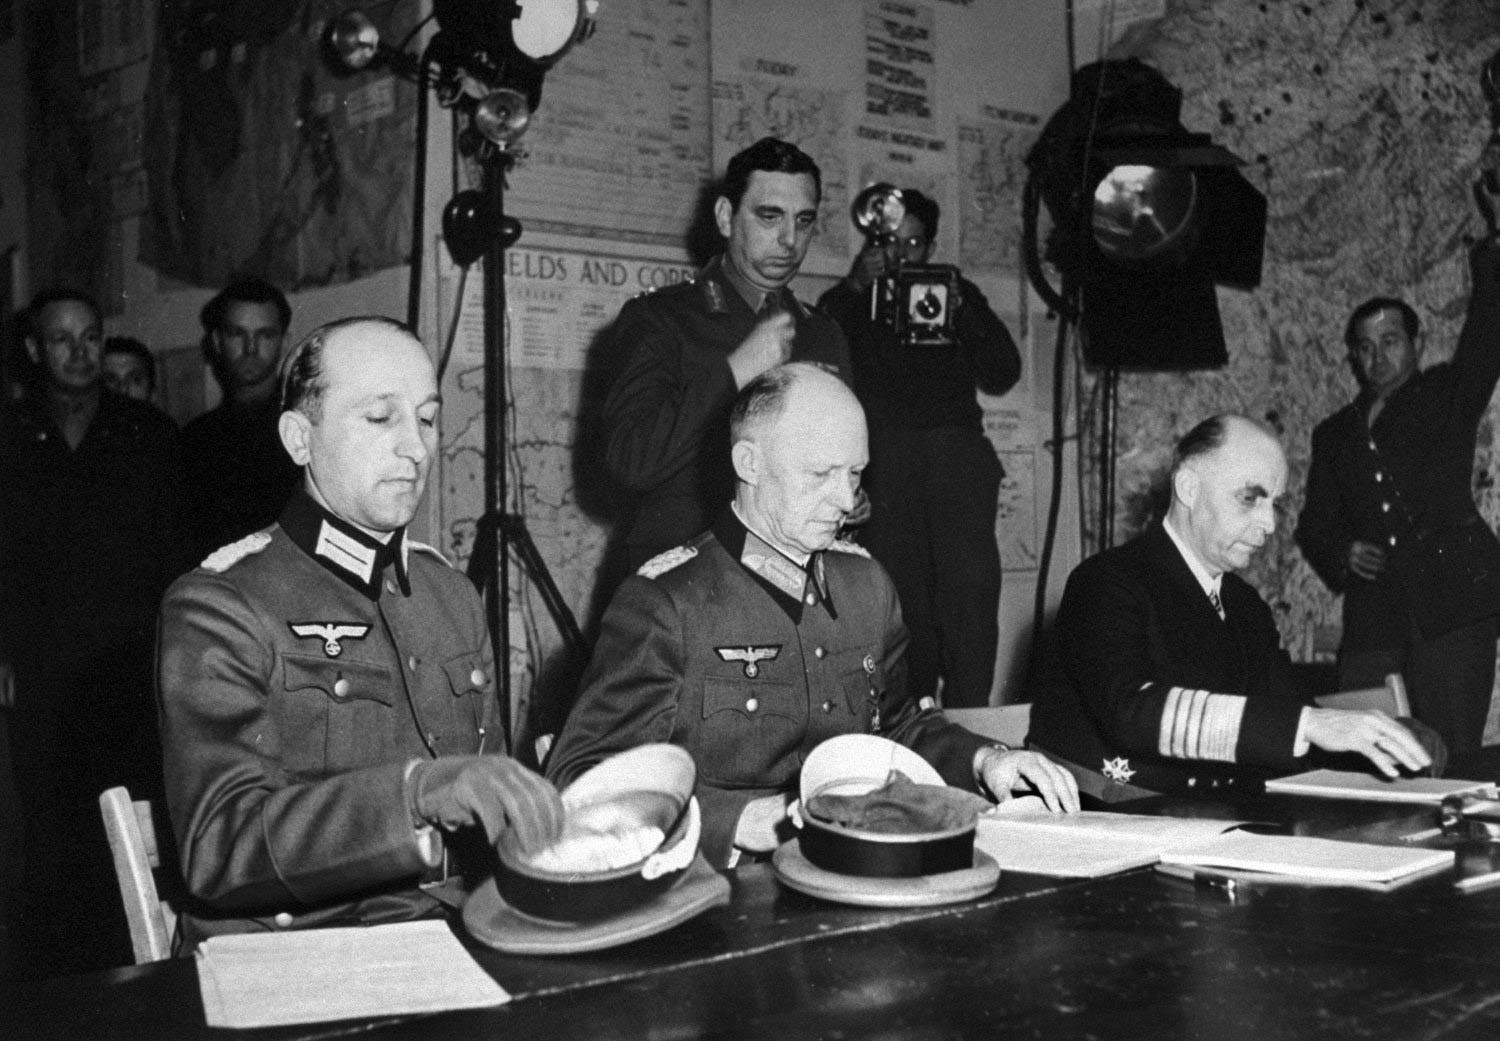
{"points": [[750, 732], [471, 688], [335, 714]]}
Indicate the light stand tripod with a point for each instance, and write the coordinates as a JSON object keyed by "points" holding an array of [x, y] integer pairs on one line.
{"points": [[498, 530], [488, 62]]}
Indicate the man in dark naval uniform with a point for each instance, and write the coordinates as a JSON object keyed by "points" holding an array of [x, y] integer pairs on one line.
{"points": [[1167, 672], [683, 352], [239, 476], [764, 636], [934, 479], [328, 698], [1390, 521]]}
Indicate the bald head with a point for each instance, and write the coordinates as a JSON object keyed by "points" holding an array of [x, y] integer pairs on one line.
{"points": [[799, 446], [1227, 474]]}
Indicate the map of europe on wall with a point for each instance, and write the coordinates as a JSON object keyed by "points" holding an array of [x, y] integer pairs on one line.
{"points": [[260, 160]]}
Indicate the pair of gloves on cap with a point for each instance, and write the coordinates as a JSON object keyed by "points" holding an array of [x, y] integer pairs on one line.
{"points": [[493, 792]]}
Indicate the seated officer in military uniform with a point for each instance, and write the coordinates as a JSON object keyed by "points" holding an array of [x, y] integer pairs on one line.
{"points": [[1167, 672], [764, 636], [327, 690]]}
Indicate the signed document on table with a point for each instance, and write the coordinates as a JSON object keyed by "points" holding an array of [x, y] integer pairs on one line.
{"points": [[1022, 835], [315, 975]]}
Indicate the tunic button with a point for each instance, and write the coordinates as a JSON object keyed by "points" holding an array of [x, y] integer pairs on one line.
{"points": [[818, 652], [1379, 476], [477, 677], [751, 705], [1392, 540], [1192, 782], [827, 707], [283, 920], [411, 663], [810, 598], [341, 688], [1385, 507]]}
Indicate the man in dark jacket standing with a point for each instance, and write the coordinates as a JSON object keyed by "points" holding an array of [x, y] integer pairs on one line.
{"points": [[1389, 518], [934, 479]]}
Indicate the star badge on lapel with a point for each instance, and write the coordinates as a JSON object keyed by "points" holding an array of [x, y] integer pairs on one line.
{"points": [[1118, 769]]}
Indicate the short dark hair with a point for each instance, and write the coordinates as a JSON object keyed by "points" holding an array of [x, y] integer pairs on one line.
{"points": [[302, 383], [31, 324], [1208, 436], [136, 349], [923, 207], [770, 155], [245, 291], [1374, 306]]}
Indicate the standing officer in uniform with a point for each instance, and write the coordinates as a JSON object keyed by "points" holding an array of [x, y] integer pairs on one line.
{"points": [[684, 351], [328, 699], [764, 636], [934, 480], [1167, 673], [1389, 519]]}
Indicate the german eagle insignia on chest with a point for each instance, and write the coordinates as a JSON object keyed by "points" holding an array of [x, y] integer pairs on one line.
{"points": [[751, 656], [330, 633]]}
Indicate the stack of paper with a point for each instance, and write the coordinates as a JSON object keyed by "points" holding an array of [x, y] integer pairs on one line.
{"points": [[1241, 854], [1350, 784], [313, 975], [1088, 844]]}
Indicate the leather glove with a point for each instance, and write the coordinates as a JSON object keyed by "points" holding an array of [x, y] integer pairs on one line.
{"points": [[491, 791]]}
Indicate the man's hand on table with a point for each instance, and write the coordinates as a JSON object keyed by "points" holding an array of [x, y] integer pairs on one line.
{"points": [[1384, 741], [1006, 770]]}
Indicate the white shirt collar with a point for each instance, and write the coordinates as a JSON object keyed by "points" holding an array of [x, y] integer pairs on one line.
{"points": [[1210, 583]]}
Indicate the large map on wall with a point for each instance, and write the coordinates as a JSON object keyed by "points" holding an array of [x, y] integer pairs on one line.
{"points": [[260, 160]]}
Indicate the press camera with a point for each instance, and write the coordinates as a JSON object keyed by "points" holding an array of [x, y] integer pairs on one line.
{"points": [[916, 300]]}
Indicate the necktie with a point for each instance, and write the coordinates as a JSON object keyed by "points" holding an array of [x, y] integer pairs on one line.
{"points": [[1213, 598]]}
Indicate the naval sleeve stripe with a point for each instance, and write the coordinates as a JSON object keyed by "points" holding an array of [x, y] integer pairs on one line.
{"points": [[1197, 724]]}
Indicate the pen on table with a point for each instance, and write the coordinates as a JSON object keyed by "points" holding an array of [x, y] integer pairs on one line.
{"points": [[1478, 883], [1227, 886]]}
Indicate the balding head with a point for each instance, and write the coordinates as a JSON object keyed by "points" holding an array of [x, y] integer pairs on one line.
{"points": [[1227, 474], [361, 405], [799, 447]]}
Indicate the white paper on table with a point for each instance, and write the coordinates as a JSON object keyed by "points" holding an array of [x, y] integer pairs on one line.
{"points": [[314, 975], [1350, 784], [1022, 835]]}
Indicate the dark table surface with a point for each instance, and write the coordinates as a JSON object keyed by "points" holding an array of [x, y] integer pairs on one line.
{"points": [[1132, 955]]}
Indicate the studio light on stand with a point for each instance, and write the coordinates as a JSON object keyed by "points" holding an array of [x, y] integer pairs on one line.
{"points": [[486, 62], [1147, 219]]}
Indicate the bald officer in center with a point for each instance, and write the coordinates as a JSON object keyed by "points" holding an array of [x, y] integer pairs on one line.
{"points": [[766, 635]]}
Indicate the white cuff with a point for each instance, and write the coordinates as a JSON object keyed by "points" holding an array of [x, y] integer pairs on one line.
{"points": [[1301, 745]]}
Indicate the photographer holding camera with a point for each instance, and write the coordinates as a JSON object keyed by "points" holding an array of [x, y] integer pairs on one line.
{"points": [[921, 340]]}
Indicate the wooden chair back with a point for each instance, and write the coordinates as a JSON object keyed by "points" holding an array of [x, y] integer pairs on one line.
{"points": [[131, 830]]}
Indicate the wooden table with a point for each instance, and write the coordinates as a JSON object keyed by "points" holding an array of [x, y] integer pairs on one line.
{"points": [[1133, 955]]}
